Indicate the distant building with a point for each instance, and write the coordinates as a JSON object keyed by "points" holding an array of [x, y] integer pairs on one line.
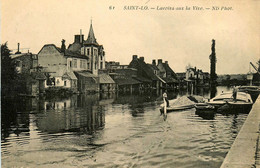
{"points": [[31, 80], [25, 62], [115, 65], [145, 74], [167, 74], [197, 76]]}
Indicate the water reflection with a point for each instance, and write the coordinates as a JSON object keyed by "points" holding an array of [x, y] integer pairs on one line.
{"points": [[106, 130]]}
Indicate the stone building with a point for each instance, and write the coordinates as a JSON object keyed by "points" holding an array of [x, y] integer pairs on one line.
{"points": [[58, 64], [30, 80], [91, 49]]}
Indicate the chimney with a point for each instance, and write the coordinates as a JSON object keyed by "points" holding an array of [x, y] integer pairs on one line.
{"points": [[79, 38], [134, 57], [154, 62], [18, 49], [63, 47], [166, 62], [141, 59], [159, 61]]}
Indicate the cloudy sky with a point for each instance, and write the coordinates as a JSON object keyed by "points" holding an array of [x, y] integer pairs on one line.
{"points": [[181, 37]]}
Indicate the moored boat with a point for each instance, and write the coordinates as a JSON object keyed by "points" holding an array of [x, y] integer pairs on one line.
{"points": [[225, 101], [254, 91]]}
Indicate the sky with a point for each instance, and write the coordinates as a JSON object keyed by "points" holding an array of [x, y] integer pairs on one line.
{"points": [[181, 37]]}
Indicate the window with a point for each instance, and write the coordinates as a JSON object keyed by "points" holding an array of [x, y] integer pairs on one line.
{"points": [[84, 64], [70, 64], [65, 83], [82, 51], [75, 63], [88, 66], [95, 52], [88, 52], [81, 63], [101, 65]]}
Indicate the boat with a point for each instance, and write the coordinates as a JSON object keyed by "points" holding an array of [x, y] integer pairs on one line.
{"points": [[177, 108], [181, 103], [204, 107], [225, 101], [254, 91]]}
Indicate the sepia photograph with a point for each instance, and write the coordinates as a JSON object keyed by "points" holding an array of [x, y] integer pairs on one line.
{"points": [[130, 83]]}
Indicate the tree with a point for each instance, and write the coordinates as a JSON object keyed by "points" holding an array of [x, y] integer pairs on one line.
{"points": [[8, 71]]}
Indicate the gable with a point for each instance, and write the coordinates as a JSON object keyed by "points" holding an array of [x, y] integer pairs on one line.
{"points": [[49, 49]]}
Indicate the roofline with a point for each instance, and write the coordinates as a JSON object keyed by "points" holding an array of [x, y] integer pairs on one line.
{"points": [[49, 45]]}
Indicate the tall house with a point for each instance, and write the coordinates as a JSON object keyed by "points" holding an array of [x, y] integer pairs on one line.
{"points": [[91, 49]]}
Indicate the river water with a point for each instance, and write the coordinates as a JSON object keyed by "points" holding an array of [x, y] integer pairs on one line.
{"points": [[110, 130]]}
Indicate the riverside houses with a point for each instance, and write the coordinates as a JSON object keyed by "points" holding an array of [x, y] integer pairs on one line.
{"points": [[167, 74], [197, 76], [73, 66], [145, 74], [30, 80]]}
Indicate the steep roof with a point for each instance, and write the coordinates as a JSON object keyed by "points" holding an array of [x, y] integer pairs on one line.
{"points": [[69, 53], [169, 70], [74, 47], [154, 67], [91, 36], [141, 65]]}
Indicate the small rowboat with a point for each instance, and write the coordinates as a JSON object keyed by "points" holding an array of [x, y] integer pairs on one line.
{"points": [[177, 108]]}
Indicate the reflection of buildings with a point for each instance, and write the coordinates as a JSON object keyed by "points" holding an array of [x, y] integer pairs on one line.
{"points": [[73, 114]]}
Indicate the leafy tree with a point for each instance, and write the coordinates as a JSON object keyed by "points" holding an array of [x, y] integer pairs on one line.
{"points": [[8, 71]]}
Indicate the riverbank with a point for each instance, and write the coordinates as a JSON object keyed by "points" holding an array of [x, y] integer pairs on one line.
{"points": [[245, 151]]}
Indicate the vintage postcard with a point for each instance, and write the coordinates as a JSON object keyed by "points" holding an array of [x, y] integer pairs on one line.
{"points": [[130, 83]]}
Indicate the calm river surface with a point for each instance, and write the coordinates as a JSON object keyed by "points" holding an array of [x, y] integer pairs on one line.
{"points": [[111, 130]]}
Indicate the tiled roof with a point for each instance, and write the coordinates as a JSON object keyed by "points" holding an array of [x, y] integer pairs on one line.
{"points": [[126, 81], [75, 47], [143, 79], [105, 78]]}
